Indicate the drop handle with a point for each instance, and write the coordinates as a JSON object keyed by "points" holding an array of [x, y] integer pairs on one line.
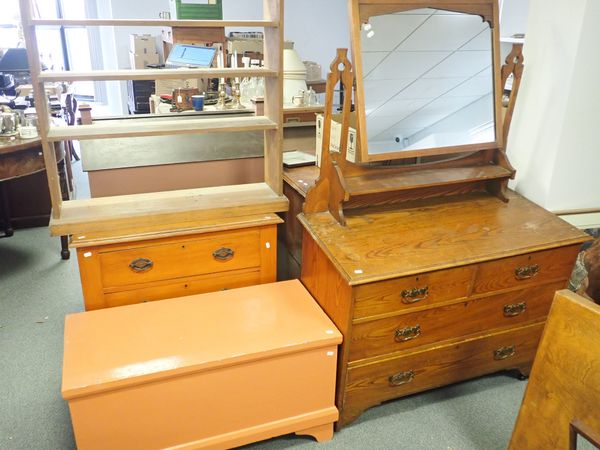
{"points": [[527, 272], [141, 265], [515, 309], [407, 334], [223, 254], [505, 353], [401, 378], [410, 296]]}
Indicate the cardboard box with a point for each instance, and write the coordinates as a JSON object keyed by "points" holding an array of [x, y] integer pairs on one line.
{"points": [[140, 61], [335, 138], [142, 44], [168, 86], [244, 45]]}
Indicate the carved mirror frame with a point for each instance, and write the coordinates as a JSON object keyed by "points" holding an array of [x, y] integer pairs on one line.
{"points": [[362, 10]]}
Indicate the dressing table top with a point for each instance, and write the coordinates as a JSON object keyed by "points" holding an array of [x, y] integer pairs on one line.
{"points": [[426, 235]]}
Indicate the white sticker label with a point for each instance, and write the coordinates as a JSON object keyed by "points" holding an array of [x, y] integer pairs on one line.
{"points": [[330, 353], [87, 254], [268, 245]]}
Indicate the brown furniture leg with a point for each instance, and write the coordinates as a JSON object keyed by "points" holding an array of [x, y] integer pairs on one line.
{"points": [[5, 211]]}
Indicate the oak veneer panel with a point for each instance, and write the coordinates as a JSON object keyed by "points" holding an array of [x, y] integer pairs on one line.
{"points": [[369, 385], [176, 258], [552, 265], [448, 322], [386, 296], [205, 371], [564, 385], [435, 234]]}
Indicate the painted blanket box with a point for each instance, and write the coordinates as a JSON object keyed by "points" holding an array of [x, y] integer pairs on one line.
{"points": [[215, 370]]}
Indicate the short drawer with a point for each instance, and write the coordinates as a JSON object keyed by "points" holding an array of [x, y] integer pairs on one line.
{"points": [[411, 330], [403, 293], [181, 288], [388, 378], [182, 258], [523, 270]]}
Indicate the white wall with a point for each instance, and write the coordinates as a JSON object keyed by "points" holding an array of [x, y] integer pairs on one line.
{"points": [[553, 141]]}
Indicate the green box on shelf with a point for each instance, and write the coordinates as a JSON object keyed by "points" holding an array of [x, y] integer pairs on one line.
{"points": [[196, 9]]}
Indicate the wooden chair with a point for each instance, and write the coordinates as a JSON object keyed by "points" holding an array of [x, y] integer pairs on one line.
{"points": [[562, 399]]}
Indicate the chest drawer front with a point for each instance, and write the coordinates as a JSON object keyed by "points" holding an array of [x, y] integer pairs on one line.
{"points": [[181, 258], [524, 270], [407, 331], [404, 293], [196, 285], [395, 377]]}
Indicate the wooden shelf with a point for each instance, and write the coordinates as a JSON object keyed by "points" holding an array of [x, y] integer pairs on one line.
{"points": [[156, 74], [79, 217], [153, 23], [380, 182], [160, 127]]}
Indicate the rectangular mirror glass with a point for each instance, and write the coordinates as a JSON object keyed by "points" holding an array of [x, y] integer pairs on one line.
{"points": [[428, 78]]}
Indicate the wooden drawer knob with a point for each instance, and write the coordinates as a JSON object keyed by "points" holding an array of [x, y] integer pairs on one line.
{"points": [[223, 254], [402, 378], [505, 353], [408, 333], [415, 295], [527, 272], [514, 310], [141, 265]]}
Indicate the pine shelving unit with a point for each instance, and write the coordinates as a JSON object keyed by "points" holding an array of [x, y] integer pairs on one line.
{"points": [[80, 216]]}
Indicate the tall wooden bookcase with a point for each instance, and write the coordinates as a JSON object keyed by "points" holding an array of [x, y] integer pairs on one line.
{"points": [[174, 243]]}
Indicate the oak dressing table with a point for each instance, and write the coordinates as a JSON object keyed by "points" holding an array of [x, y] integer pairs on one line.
{"points": [[432, 269]]}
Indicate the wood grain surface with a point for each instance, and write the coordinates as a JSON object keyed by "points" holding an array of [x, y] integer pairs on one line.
{"points": [[428, 235], [435, 325], [369, 385], [564, 386]]}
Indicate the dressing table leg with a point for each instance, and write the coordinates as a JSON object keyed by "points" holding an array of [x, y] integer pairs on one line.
{"points": [[5, 210]]}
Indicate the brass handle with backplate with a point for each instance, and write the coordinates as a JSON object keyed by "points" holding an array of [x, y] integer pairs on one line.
{"points": [[223, 254], [407, 334], [141, 265], [505, 353], [527, 272], [515, 309], [401, 378], [414, 295]]}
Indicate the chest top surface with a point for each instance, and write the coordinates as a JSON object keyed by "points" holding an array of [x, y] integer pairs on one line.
{"points": [[426, 235], [116, 347]]}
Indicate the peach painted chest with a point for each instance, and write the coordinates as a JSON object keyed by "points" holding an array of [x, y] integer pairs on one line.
{"points": [[215, 370]]}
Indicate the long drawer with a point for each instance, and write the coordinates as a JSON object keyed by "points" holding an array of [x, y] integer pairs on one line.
{"points": [[180, 288], [525, 270], [420, 290], [388, 378], [214, 253], [411, 330]]}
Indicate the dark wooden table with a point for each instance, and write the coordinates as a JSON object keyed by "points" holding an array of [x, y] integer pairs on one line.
{"points": [[24, 195]]}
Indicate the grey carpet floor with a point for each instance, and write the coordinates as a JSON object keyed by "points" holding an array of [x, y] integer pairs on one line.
{"points": [[37, 289]]}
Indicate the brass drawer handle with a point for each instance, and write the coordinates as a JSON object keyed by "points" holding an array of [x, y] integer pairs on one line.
{"points": [[515, 310], [402, 378], [141, 265], [408, 333], [527, 272], [415, 295], [223, 254], [505, 353]]}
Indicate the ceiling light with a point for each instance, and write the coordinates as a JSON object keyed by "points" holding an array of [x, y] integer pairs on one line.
{"points": [[367, 26]]}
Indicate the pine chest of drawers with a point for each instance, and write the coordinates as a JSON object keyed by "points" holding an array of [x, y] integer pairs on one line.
{"points": [[435, 292], [126, 268]]}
